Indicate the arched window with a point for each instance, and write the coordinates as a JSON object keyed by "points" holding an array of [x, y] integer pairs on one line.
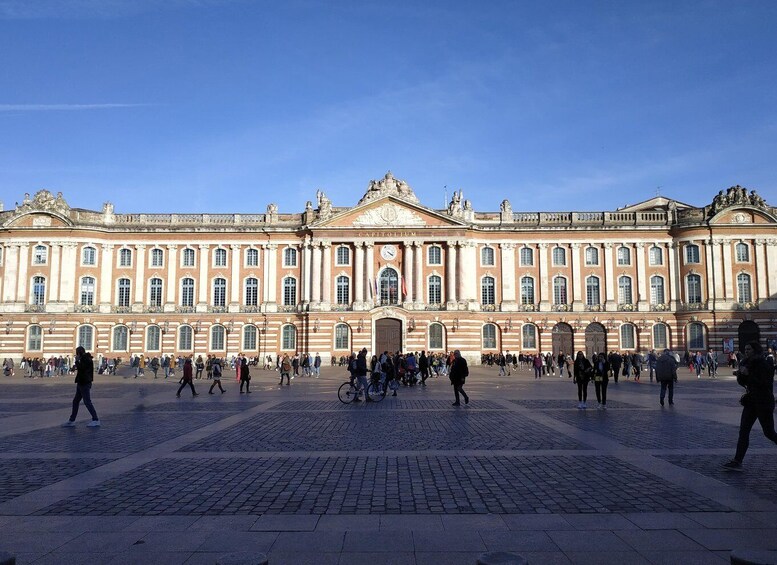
{"points": [[217, 338], [694, 288], [660, 340], [249, 338], [252, 257], [435, 289], [85, 337], [343, 285], [487, 256], [529, 336], [220, 257], [624, 255], [489, 336], [627, 336], [40, 255], [187, 292], [435, 336], [389, 286], [289, 291], [559, 256], [656, 256], [155, 292], [696, 337], [87, 291], [742, 253], [343, 255], [487, 291], [35, 338], [252, 291], [342, 334], [289, 338], [152, 338], [527, 257], [124, 293], [435, 255], [692, 253], [188, 257], [219, 292], [527, 290], [559, 290], [125, 257], [120, 341], [289, 257], [38, 290], [744, 293], [624, 290], [656, 289], [592, 291], [89, 256], [591, 256], [185, 338], [157, 258]]}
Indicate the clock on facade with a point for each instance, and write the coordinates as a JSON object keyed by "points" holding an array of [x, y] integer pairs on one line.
{"points": [[388, 252]]}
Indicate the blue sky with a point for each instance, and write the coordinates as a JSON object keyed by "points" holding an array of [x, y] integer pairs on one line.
{"points": [[228, 105]]}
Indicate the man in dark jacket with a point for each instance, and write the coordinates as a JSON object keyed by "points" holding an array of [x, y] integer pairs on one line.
{"points": [[666, 374], [84, 368], [458, 374], [756, 374]]}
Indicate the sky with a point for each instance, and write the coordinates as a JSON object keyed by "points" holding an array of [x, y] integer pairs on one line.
{"points": [[224, 106]]}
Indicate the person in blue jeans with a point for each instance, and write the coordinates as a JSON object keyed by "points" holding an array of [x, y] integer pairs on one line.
{"points": [[84, 376]]}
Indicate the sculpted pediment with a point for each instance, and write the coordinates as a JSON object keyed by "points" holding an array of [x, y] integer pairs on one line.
{"points": [[37, 220], [743, 216], [389, 213]]}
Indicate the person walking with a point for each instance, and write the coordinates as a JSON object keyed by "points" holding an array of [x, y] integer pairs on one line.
{"points": [[154, 365], [245, 376], [601, 380], [200, 366], [652, 359], [666, 374], [84, 368], [712, 364], [285, 369], [215, 370], [756, 374], [583, 371], [186, 379], [317, 365], [458, 375], [537, 364]]}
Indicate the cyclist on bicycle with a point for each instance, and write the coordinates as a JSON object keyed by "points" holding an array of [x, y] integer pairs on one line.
{"points": [[360, 372]]}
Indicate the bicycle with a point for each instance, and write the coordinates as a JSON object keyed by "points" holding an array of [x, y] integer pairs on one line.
{"points": [[376, 391], [348, 392]]}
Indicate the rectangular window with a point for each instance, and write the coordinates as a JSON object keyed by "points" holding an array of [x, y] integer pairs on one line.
{"points": [[527, 257]]}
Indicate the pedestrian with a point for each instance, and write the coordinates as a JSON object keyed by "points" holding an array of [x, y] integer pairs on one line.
{"points": [[458, 375], [245, 376], [154, 365], [756, 374], [84, 368], [317, 365], [666, 374], [712, 363], [537, 364], [186, 379], [285, 369], [601, 380], [359, 371], [652, 359], [200, 366], [583, 371], [215, 368]]}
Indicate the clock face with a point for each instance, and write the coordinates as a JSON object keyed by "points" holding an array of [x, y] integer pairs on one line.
{"points": [[388, 252]]}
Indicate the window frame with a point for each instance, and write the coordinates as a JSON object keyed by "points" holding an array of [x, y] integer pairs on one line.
{"points": [[153, 288], [589, 296], [40, 255], [342, 290], [185, 289], [560, 290], [431, 251], [38, 290], [185, 338], [487, 256], [744, 292], [488, 290], [591, 256], [744, 256], [87, 290], [125, 258], [528, 336], [526, 256], [252, 257], [434, 289], [559, 256], [488, 341], [288, 337], [186, 254], [689, 250], [290, 258], [251, 291], [156, 258], [343, 256], [124, 292], [219, 295], [220, 258], [695, 286], [652, 256], [632, 337], [342, 339], [34, 342], [87, 261], [436, 336], [289, 291], [120, 334]]}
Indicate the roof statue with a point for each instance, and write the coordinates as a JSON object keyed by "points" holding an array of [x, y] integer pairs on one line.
{"points": [[388, 186], [324, 205], [455, 205], [735, 196], [44, 201]]}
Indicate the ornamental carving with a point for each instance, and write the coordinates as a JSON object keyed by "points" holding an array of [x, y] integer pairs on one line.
{"points": [[735, 196], [388, 186], [389, 215], [44, 201]]}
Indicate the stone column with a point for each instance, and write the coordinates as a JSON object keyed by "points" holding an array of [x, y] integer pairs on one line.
{"points": [[610, 283], [728, 268], [172, 282], [771, 256], [761, 266], [577, 285], [543, 287], [265, 273], [56, 265], [140, 273], [105, 283], [67, 284], [234, 283], [326, 275], [307, 281], [709, 266], [450, 276], [508, 277], [675, 284], [407, 267], [315, 275], [11, 271], [204, 264], [418, 276], [370, 246], [643, 294], [24, 261], [358, 275], [720, 276], [271, 254], [467, 282]]}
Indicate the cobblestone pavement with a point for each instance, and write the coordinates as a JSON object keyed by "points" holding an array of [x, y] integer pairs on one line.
{"points": [[291, 472]]}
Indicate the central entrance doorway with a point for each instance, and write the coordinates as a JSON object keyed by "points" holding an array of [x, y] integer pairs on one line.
{"points": [[562, 339], [595, 339], [388, 335]]}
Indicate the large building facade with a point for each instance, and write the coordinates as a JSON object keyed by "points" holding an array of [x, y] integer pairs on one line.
{"points": [[387, 274]]}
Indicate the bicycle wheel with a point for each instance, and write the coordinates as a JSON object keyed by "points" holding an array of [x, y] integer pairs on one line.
{"points": [[346, 393], [376, 392]]}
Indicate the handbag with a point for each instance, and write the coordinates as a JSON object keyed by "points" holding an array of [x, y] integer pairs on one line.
{"points": [[747, 399]]}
